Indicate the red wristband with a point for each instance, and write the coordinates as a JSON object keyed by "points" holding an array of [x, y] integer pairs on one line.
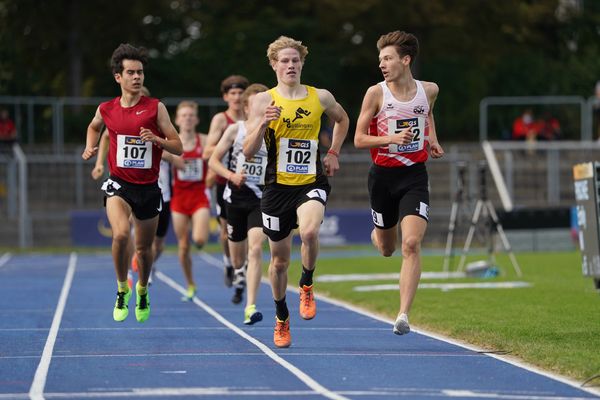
{"points": [[333, 153]]}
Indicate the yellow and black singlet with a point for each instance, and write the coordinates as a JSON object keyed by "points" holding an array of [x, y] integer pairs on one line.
{"points": [[292, 141]]}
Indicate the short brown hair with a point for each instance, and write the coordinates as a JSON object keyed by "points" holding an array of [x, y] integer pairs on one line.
{"points": [[187, 103], [404, 43], [252, 89], [234, 82], [284, 42], [125, 51]]}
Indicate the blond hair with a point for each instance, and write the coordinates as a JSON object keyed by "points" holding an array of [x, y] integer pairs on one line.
{"points": [[187, 103], [284, 42], [404, 43], [251, 90]]}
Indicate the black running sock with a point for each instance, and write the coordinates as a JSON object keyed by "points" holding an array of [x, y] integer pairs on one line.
{"points": [[306, 278], [281, 310]]}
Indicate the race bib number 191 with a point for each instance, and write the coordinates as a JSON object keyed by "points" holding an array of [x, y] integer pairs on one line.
{"points": [[133, 152], [417, 125]]}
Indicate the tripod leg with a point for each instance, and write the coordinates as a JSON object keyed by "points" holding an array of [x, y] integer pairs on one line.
{"points": [[474, 220], [503, 238], [450, 238]]}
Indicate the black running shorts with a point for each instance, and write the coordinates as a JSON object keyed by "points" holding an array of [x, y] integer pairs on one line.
{"points": [[241, 218], [280, 202], [145, 200], [397, 192]]}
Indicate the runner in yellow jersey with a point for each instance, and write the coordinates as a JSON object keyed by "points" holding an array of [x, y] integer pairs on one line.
{"points": [[288, 119]]}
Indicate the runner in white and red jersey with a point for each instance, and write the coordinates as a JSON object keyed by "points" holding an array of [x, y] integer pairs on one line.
{"points": [[232, 89], [190, 206], [139, 129], [396, 123]]}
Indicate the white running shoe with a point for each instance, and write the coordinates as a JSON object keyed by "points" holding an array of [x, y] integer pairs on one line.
{"points": [[401, 326]]}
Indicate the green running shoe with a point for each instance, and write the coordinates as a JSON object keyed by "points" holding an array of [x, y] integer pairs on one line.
{"points": [[142, 306], [251, 316], [121, 310]]}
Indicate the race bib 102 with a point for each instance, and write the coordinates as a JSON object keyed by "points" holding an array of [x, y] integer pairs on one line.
{"points": [[297, 156]]}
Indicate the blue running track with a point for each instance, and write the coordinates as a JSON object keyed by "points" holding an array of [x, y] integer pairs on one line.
{"points": [[58, 340]]}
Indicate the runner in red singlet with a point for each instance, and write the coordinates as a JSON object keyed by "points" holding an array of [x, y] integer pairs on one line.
{"points": [[232, 88], [396, 123], [139, 129], [190, 207]]}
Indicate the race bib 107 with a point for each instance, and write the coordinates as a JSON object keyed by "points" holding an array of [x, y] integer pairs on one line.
{"points": [[133, 152]]}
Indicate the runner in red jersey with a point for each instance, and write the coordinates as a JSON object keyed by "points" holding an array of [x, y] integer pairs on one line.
{"points": [[396, 123], [139, 129], [190, 207], [232, 88]]}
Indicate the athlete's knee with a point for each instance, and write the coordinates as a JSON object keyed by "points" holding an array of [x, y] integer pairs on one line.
{"points": [[143, 253], [387, 249], [121, 238], [309, 235], [280, 264], [184, 246], [158, 247], [199, 243], [255, 252], [411, 245]]}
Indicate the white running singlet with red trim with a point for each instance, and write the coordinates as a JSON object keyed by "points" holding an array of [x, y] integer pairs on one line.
{"points": [[395, 116]]}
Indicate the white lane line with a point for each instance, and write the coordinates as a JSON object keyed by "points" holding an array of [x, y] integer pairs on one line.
{"points": [[170, 392], [445, 287], [385, 276], [247, 354], [4, 259], [359, 310], [36, 392], [307, 380], [506, 359]]}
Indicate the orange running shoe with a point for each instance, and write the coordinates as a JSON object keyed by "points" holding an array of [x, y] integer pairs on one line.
{"points": [[281, 335], [308, 307], [134, 263]]}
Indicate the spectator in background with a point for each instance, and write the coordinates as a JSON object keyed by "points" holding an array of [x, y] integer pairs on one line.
{"points": [[8, 131], [548, 128], [525, 127]]}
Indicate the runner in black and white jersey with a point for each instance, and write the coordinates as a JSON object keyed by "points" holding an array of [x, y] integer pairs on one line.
{"points": [[242, 197]]}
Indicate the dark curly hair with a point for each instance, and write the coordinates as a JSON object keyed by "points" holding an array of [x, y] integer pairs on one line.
{"points": [[125, 51]]}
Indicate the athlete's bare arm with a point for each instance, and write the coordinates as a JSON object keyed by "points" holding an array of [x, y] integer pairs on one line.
{"points": [[338, 115], [174, 160], [263, 111], [103, 146], [93, 132], [211, 176], [171, 141], [370, 107], [221, 149], [432, 90], [215, 131]]}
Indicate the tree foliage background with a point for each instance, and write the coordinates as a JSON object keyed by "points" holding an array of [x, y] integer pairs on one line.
{"points": [[471, 48]]}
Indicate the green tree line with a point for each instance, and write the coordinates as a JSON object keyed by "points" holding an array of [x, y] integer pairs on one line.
{"points": [[471, 48]]}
